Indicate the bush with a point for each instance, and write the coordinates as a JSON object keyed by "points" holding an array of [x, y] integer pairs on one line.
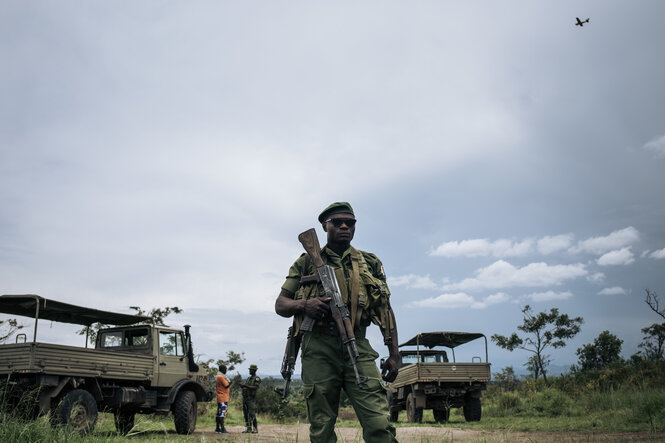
{"points": [[509, 403], [551, 402], [650, 409]]}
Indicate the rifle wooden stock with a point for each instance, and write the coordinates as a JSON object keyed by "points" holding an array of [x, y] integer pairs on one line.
{"points": [[310, 242]]}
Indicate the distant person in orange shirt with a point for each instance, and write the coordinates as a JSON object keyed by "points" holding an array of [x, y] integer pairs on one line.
{"points": [[222, 391]]}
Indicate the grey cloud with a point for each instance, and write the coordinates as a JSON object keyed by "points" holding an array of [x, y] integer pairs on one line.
{"points": [[656, 146], [616, 240], [622, 256], [502, 274]]}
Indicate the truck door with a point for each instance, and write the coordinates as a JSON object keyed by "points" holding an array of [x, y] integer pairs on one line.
{"points": [[172, 361]]}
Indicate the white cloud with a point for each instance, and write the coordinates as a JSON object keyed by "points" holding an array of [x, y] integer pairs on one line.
{"points": [[457, 300], [549, 295], [600, 245], [659, 254], [656, 146], [549, 244], [490, 300], [596, 277], [622, 256], [614, 290], [481, 247], [412, 281], [502, 274]]}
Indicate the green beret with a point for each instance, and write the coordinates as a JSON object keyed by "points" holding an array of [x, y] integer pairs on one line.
{"points": [[253, 366], [336, 208]]}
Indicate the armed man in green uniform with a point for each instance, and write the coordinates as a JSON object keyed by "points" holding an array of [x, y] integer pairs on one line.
{"points": [[248, 395], [326, 365]]}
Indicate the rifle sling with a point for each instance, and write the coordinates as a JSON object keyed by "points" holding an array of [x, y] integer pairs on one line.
{"points": [[355, 285]]}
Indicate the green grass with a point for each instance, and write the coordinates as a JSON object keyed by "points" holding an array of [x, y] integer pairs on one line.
{"points": [[533, 408]]}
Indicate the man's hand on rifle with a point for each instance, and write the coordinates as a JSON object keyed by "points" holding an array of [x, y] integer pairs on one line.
{"points": [[316, 308]]}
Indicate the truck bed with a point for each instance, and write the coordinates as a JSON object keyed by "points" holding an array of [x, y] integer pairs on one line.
{"points": [[442, 373], [46, 358]]}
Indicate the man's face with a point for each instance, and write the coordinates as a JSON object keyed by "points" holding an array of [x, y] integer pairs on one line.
{"points": [[338, 228]]}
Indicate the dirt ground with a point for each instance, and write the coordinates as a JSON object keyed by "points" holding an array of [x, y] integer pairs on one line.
{"points": [[300, 433]]}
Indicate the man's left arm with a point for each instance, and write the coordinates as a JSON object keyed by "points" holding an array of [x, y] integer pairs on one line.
{"points": [[390, 367]]}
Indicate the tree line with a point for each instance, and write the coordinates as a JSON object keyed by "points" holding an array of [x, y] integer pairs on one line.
{"points": [[542, 331]]}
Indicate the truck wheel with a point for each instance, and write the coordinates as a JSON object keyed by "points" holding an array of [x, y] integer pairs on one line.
{"points": [[124, 420], [472, 409], [441, 415], [393, 408], [184, 412], [413, 414], [78, 411]]}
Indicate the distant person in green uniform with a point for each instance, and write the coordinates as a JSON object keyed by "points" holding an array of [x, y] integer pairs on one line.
{"points": [[248, 395], [326, 367]]}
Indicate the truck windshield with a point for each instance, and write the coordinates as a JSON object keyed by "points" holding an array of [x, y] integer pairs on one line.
{"points": [[440, 357]]}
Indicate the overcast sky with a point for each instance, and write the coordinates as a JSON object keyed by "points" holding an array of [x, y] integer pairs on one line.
{"points": [[164, 153]]}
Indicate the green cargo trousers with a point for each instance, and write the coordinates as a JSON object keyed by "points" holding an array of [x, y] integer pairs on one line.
{"points": [[249, 413], [326, 369]]}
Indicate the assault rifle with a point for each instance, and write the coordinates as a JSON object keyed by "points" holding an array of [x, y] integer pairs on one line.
{"points": [[289, 362], [340, 312]]}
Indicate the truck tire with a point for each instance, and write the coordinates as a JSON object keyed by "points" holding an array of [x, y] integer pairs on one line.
{"points": [[413, 414], [441, 415], [184, 412], [472, 409], [78, 411], [393, 408], [124, 420]]}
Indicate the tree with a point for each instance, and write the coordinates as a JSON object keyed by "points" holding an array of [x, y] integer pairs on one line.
{"points": [[506, 379], [653, 301], [232, 359], [653, 342], [542, 330], [533, 365], [11, 325], [605, 349], [157, 317]]}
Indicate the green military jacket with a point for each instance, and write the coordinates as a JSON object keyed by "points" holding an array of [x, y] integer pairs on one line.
{"points": [[363, 286], [252, 380]]}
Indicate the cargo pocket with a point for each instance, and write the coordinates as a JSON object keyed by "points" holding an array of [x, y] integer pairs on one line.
{"points": [[308, 392]]}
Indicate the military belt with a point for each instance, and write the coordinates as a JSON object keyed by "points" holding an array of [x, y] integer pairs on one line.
{"points": [[330, 328]]}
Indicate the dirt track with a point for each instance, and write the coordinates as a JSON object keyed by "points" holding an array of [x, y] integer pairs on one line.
{"points": [[300, 433]]}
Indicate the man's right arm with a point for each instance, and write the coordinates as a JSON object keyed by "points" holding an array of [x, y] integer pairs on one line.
{"points": [[315, 308]]}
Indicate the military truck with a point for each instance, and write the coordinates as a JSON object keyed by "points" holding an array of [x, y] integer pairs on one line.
{"points": [[135, 368], [428, 380]]}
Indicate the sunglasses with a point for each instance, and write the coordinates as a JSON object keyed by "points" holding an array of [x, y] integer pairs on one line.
{"points": [[337, 222]]}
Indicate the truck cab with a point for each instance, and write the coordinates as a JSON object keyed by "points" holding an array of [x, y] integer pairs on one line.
{"points": [[136, 367], [167, 345]]}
